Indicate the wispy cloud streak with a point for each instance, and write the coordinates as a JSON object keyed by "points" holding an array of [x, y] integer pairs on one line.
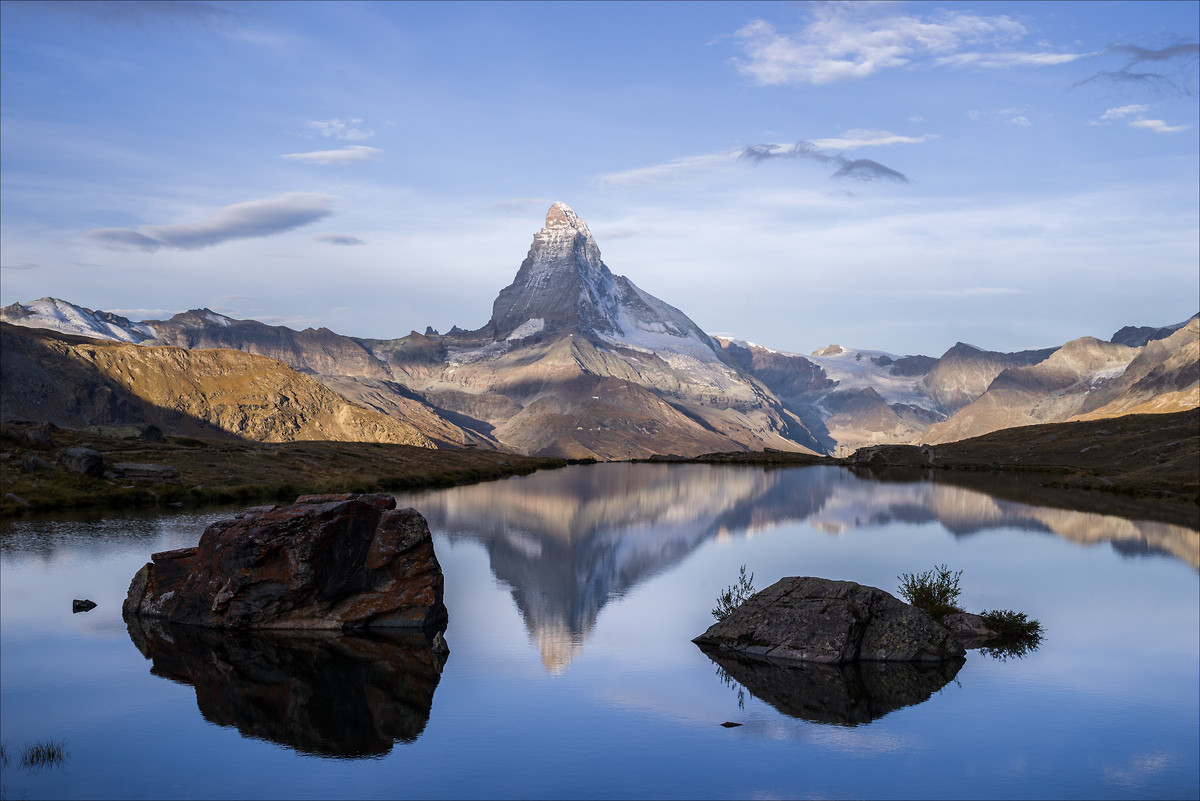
{"points": [[859, 169], [254, 218], [354, 154], [352, 130], [339, 239], [1185, 55]]}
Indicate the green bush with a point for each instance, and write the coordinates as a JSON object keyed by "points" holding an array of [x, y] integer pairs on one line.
{"points": [[734, 595], [936, 591], [1016, 634]]}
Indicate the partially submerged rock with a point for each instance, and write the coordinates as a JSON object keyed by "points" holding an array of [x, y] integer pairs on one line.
{"points": [[971, 629], [325, 562], [808, 619], [82, 605]]}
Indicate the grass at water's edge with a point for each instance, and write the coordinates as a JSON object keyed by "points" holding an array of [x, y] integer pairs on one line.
{"points": [[1133, 460], [213, 472]]}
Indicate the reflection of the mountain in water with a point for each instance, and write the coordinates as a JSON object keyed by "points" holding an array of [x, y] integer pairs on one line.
{"points": [[321, 693], [567, 541], [850, 694]]}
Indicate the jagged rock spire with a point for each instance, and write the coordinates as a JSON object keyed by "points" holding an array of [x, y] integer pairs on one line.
{"points": [[562, 281]]}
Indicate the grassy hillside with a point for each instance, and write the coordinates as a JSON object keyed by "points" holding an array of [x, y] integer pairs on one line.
{"points": [[223, 471]]}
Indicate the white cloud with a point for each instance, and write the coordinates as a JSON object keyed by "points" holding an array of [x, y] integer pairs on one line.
{"points": [[353, 154], [1158, 126], [861, 137], [694, 166], [670, 171], [1007, 60], [254, 218], [1021, 120], [1122, 111], [351, 131], [846, 42]]}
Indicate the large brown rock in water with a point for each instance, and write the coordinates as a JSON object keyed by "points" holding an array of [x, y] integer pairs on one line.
{"points": [[325, 562], [807, 619]]}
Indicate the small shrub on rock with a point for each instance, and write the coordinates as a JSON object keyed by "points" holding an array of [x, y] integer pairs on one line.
{"points": [[734, 595], [936, 591]]}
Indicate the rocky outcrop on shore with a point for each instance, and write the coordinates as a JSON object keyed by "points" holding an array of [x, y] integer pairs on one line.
{"points": [[809, 619], [324, 562]]}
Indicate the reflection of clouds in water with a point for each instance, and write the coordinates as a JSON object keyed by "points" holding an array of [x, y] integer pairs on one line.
{"points": [[1140, 769], [846, 740], [859, 740]]}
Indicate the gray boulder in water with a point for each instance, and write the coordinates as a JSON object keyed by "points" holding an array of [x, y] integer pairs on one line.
{"points": [[808, 619]]}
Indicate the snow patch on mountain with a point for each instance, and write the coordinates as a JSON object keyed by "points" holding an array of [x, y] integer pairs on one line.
{"points": [[645, 323], [67, 318], [862, 369], [1101, 376], [526, 329], [457, 357]]}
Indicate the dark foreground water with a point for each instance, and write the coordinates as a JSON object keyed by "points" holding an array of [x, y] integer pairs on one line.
{"points": [[573, 598]]}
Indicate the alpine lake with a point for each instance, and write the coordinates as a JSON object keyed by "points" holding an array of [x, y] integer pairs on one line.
{"points": [[574, 595]]}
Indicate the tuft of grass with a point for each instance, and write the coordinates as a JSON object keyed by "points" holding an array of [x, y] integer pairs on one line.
{"points": [[936, 591], [734, 595], [47, 753]]}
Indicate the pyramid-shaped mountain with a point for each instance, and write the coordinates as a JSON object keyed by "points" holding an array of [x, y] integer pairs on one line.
{"points": [[564, 287], [578, 361]]}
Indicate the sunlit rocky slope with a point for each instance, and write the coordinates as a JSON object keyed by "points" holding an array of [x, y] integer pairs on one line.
{"points": [[577, 361], [76, 382]]}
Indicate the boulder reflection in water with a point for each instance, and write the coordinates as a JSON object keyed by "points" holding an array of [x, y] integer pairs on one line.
{"points": [[330, 694], [848, 695]]}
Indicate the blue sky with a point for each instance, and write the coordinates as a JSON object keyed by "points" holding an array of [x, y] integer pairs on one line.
{"points": [[893, 176]]}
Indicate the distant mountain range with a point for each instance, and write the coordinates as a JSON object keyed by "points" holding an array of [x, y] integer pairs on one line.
{"points": [[575, 361]]}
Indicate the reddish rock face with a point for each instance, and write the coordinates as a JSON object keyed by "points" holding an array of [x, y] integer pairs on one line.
{"points": [[325, 562]]}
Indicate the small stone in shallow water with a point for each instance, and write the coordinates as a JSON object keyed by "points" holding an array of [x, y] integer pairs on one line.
{"points": [[84, 605]]}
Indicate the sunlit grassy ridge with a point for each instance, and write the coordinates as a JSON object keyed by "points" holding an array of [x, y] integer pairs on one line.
{"points": [[221, 471]]}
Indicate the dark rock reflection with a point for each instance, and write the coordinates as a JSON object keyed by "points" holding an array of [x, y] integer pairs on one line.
{"points": [[331, 694], [849, 695]]}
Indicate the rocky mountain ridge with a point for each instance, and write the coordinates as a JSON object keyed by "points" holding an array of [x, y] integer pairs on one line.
{"points": [[77, 382], [579, 362]]}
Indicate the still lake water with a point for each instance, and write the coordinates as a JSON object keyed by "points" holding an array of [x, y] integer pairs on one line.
{"points": [[573, 598]]}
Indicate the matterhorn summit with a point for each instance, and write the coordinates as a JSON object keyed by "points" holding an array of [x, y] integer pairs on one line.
{"points": [[563, 287]]}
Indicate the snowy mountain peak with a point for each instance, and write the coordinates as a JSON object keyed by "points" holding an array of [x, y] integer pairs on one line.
{"points": [[67, 318], [560, 215], [564, 284]]}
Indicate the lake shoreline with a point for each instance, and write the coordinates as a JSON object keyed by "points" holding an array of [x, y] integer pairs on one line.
{"points": [[1148, 465]]}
